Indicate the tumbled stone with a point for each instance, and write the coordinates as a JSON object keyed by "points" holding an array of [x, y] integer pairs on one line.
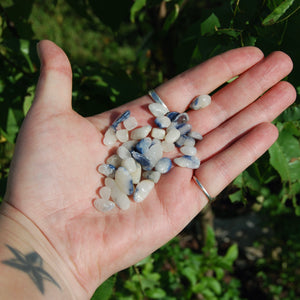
{"points": [[200, 102], [106, 169], [195, 135], [152, 175], [119, 198], [162, 121], [154, 154], [136, 175], [130, 123], [167, 147], [114, 160], [140, 133], [158, 133], [105, 192], [123, 152], [187, 150], [164, 165], [186, 161], [184, 128], [157, 109], [120, 119], [142, 160], [129, 164], [103, 204], [124, 180], [122, 135], [172, 136], [142, 190], [109, 137], [143, 145]]}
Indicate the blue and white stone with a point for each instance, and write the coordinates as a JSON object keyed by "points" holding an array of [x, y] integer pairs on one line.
{"points": [[172, 115], [189, 141], [142, 190], [110, 137], [154, 154], [164, 165], [167, 147], [143, 145], [105, 192], [124, 180], [130, 123], [123, 152], [107, 169], [172, 136], [114, 160], [129, 164], [157, 109], [195, 135], [136, 175], [142, 160], [181, 118], [119, 198], [186, 161], [120, 119], [180, 142], [122, 135], [188, 150], [158, 133], [130, 145], [200, 102], [184, 128], [103, 205], [140, 133], [152, 175], [162, 122]]}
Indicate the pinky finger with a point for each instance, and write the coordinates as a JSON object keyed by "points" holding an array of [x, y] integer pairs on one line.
{"points": [[216, 173]]}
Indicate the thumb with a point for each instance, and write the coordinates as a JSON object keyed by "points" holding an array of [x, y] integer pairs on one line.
{"points": [[54, 88]]}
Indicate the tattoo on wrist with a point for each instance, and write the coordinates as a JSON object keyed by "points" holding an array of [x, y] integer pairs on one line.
{"points": [[31, 264]]}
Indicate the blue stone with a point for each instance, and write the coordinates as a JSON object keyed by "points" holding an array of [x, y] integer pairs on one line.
{"points": [[143, 145], [164, 165], [195, 135], [120, 119], [172, 115], [144, 161], [180, 141], [184, 128]]}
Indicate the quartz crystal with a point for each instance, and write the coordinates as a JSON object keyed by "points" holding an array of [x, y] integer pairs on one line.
{"points": [[130, 123], [122, 135], [124, 180], [200, 102], [109, 137], [142, 190], [141, 132], [157, 109]]}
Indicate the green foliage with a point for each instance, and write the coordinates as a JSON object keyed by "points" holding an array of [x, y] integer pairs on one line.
{"points": [[176, 273]]}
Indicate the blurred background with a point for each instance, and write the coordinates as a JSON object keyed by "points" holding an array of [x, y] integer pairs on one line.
{"points": [[246, 245]]}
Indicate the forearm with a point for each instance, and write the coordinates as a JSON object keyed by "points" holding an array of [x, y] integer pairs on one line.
{"points": [[30, 267]]}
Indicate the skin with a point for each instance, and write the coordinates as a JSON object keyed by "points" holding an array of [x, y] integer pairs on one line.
{"points": [[53, 176]]}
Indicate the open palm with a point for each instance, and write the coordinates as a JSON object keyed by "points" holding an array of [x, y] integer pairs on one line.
{"points": [[54, 171]]}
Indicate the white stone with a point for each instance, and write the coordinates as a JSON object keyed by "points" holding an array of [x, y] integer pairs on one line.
{"points": [[123, 152], [124, 181], [152, 175], [189, 142], [130, 144], [157, 109], [187, 161], [167, 147], [200, 102], [122, 135], [105, 192], [130, 123], [119, 198], [195, 135], [136, 175], [142, 190], [162, 122], [158, 133], [109, 137], [129, 164], [140, 133], [103, 204], [106, 169], [114, 160], [187, 150], [109, 182], [154, 154], [164, 165], [172, 136]]}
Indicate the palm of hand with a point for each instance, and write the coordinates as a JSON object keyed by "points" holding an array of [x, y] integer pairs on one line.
{"points": [[58, 151]]}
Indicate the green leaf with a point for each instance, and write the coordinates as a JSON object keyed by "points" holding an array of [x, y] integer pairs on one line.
{"points": [[208, 27], [190, 274], [214, 285], [171, 18], [236, 197], [105, 290], [277, 13], [232, 254], [210, 238], [136, 7], [28, 99], [156, 293]]}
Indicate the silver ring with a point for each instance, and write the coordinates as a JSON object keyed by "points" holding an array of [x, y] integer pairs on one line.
{"points": [[208, 196], [156, 98]]}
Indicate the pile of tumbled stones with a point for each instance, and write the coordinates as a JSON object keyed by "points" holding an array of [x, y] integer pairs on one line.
{"points": [[139, 162]]}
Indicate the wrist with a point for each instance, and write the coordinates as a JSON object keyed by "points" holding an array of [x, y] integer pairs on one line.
{"points": [[29, 260]]}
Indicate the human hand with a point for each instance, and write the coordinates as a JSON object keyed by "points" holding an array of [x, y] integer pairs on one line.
{"points": [[54, 177]]}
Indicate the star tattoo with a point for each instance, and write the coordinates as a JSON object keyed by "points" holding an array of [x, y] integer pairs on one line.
{"points": [[31, 264]]}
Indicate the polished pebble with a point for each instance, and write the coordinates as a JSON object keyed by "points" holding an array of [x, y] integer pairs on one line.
{"points": [[109, 137], [167, 147], [129, 164], [103, 205], [142, 160], [124, 180], [130, 144], [123, 152], [162, 122], [154, 154], [189, 141], [152, 175], [142, 190], [186, 161], [164, 165], [106, 169], [172, 136], [114, 160], [136, 175], [158, 133], [184, 128], [180, 142], [130, 123], [200, 102], [195, 135], [105, 192], [140, 133], [187, 150], [172, 115], [181, 118], [143, 145], [157, 109], [122, 135]]}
